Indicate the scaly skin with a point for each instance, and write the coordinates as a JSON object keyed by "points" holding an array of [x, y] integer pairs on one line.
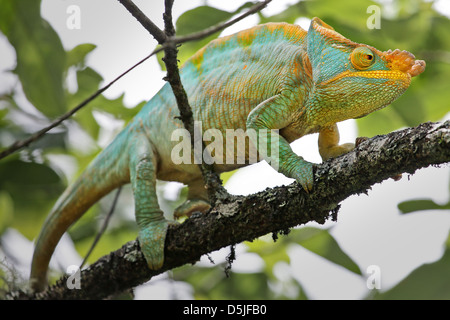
{"points": [[272, 76]]}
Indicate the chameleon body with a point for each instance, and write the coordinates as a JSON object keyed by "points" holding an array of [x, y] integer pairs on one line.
{"points": [[272, 76]]}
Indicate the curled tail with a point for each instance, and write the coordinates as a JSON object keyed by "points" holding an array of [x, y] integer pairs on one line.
{"points": [[104, 174]]}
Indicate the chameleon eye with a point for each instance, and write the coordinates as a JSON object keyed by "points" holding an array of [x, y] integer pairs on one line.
{"points": [[362, 58]]}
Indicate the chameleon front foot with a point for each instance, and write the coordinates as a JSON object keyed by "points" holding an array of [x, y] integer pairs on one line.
{"points": [[152, 239], [303, 174]]}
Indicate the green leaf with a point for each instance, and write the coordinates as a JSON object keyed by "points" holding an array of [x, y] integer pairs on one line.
{"points": [[77, 56], [200, 18], [341, 10], [321, 242], [6, 211], [33, 188], [3, 114], [88, 82], [40, 55], [421, 204]]}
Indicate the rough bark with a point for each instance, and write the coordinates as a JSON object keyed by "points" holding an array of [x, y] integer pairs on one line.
{"points": [[271, 211]]}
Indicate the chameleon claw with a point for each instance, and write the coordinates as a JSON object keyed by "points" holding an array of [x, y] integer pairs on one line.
{"points": [[360, 140], [306, 186]]}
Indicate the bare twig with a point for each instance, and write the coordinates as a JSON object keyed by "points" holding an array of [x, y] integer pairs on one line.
{"points": [[103, 228]]}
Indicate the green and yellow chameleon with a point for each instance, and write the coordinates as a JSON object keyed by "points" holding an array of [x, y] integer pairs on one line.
{"points": [[272, 76]]}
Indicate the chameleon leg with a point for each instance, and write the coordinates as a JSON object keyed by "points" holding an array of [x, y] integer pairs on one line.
{"points": [[274, 114], [329, 143], [149, 217], [197, 200]]}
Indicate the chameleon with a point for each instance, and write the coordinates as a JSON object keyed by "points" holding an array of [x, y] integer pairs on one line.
{"points": [[274, 76]]}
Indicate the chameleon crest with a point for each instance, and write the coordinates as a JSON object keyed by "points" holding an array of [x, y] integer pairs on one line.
{"points": [[274, 78]]}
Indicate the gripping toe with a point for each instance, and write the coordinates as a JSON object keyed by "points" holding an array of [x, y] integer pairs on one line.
{"points": [[152, 239], [191, 206]]}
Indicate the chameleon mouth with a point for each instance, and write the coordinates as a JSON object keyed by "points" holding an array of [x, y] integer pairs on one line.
{"points": [[404, 61], [373, 74]]}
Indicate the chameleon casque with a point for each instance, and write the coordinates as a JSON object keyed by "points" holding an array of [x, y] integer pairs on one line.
{"points": [[272, 76]]}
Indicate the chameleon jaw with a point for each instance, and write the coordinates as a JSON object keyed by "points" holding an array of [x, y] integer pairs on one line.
{"points": [[377, 74]]}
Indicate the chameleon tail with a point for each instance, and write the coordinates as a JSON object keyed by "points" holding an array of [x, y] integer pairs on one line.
{"points": [[103, 175]]}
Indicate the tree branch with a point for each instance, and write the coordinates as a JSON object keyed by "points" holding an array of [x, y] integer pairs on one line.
{"points": [[273, 210]]}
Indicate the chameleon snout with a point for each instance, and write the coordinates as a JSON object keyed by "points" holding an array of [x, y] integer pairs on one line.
{"points": [[404, 61], [417, 68]]}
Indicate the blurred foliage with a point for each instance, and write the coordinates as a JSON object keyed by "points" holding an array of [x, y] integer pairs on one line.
{"points": [[429, 281], [31, 181], [40, 55]]}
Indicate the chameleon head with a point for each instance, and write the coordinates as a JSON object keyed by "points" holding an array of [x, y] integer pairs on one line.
{"points": [[353, 79]]}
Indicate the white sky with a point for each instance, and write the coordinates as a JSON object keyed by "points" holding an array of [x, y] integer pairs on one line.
{"points": [[369, 228]]}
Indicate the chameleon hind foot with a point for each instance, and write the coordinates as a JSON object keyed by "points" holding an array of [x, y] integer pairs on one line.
{"points": [[336, 151], [329, 146], [191, 206], [152, 239]]}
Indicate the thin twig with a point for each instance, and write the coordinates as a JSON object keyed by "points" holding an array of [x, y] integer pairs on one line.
{"points": [[103, 229]]}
